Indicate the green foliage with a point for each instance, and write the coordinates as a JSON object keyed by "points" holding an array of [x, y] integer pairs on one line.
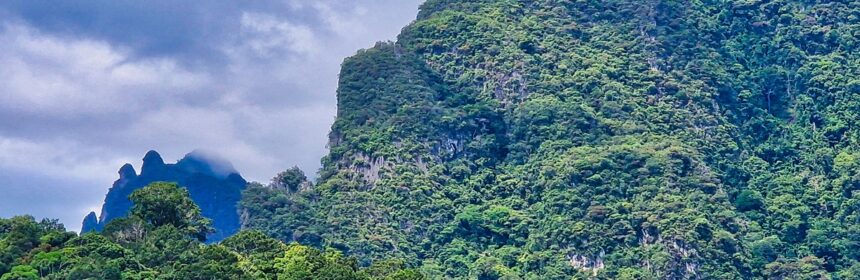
{"points": [[22, 238], [161, 240], [595, 139], [393, 269], [544, 139], [21, 272], [161, 204], [258, 252], [806, 268], [749, 200], [291, 179], [301, 262]]}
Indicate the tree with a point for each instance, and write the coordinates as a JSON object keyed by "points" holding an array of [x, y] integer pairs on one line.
{"points": [[259, 250], [302, 262], [212, 262], [161, 240], [811, 268], [749, 200], [292, 179], [21, 272], [21, 236], [162, 203]]}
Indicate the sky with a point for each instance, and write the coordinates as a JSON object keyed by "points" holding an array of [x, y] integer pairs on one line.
{"points": [[86, 86]]}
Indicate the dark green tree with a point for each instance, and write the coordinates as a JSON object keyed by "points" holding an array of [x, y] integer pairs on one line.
{"points": [[162, 203]]}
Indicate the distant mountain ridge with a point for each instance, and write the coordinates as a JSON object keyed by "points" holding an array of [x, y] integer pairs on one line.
{"points": [[212, 182]]}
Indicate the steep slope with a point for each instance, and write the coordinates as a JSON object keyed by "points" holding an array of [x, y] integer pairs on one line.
{"points": [[212, 183], [611, 139]]}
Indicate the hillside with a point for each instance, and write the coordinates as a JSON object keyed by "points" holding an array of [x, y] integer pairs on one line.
{"points": [[609, 139]]}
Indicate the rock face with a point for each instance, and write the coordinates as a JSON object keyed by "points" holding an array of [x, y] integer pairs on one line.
{"points": [[212, 183], [91, 223]]}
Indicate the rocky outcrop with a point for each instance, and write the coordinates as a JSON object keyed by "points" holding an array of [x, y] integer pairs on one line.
{"points": [[592, 265], [91, 223]]}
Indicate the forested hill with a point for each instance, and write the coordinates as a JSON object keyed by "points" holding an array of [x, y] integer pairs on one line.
{"points": [[614, 139]]}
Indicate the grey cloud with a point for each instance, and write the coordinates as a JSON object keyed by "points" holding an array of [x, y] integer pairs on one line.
{"points": [[94, 84]]}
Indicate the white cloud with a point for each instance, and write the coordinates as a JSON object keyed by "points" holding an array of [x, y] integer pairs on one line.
{"points": [[267, 34], [257, 140], [344, 23], [59, 159], [55, 76], [75, 107]]}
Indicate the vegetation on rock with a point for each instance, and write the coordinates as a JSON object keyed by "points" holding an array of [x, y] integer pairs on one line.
{"points": [[541, 139], [549, 139]]}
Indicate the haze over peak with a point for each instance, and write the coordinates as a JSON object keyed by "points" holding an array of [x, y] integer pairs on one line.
{"points": [[208, 162]]}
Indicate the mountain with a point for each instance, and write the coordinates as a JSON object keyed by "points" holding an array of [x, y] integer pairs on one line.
{"points": [[613, 139], [213, 184]]}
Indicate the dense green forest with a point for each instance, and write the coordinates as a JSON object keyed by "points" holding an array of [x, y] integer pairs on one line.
{"points": [[542, 139], [161, 239], [605, 139]]}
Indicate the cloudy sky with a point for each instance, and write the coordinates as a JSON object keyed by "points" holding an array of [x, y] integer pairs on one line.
{"points": [[86, 86]]}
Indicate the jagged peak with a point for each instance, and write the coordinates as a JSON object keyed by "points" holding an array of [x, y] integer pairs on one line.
{"points": [[151, 160], [211, 180], [90, 223], [127, 171]]}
